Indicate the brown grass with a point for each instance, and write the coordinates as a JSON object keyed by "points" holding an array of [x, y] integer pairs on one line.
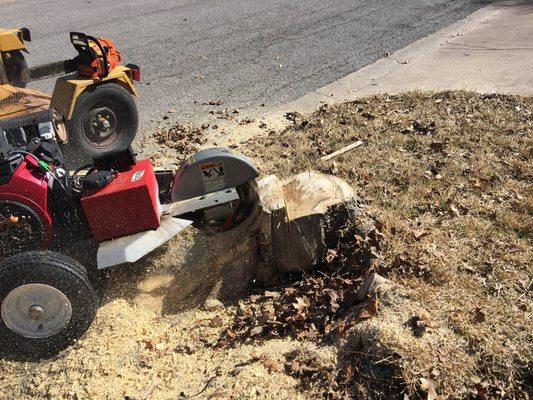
{"points": [[450, 176]]}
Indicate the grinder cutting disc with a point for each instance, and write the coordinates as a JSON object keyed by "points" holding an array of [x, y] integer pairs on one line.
{"points": [[228, 216]]}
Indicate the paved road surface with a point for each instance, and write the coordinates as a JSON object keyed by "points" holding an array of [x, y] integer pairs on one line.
{"points": [[244, 52]]}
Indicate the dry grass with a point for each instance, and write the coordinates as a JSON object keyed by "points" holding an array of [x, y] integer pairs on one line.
{"points": [[449, 176]]}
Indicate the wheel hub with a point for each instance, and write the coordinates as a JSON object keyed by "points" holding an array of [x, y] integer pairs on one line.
{"points": [[101, 125], [36, 310]]}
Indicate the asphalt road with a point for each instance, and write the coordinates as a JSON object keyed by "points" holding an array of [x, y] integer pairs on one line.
{"points": [[250, 54]]}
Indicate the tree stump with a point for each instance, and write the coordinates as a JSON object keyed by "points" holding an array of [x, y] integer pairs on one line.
{"points": [[294, 215], [289, 232], [296, 218]]}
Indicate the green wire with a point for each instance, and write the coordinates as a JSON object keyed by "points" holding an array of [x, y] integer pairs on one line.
{"points": [[44, 166]]}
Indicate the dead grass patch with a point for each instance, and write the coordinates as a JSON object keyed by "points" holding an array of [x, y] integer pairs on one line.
{"points": [[449, 175]]}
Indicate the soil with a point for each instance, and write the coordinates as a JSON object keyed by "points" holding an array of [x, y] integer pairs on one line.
{"points": [[448, 179]]}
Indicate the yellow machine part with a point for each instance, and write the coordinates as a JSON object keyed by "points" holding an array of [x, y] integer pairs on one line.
{"points": [[67, 90], [11, 39], [16, 101]]}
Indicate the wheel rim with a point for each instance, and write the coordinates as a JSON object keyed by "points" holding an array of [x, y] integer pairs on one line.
{"points": [[36, 310], [101, 127]]}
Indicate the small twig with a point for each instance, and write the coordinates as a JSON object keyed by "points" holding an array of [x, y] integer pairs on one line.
{"points": [[217, 370], [203, 389], [342, 151], [383, 360]]}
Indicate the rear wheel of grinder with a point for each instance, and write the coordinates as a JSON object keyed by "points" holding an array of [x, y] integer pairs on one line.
{"points": [[238, 211], [104, 119], [46, 302]]}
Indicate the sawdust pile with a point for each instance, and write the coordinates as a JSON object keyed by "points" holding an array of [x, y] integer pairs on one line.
{"points": [[448, 177]]}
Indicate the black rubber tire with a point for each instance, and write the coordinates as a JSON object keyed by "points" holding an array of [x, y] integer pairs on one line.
{"points": [[60, 272], [113, 97], [15, 65]]}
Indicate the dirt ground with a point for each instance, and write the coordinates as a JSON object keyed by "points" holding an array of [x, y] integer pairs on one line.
{"points": [[448, 178]]}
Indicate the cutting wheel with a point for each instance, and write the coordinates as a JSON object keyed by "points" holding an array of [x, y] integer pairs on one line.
{"points": [[230, 215]]}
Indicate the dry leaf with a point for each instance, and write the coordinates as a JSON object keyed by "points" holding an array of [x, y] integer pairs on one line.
{"points": [[419, 234], [479, 315], [370, 310], [334, 296], [428, 386], [202, 322], [150, 343], [256, 331], [216, 321], [301, 304], [421, 323], [272, 365], [185, 349]]}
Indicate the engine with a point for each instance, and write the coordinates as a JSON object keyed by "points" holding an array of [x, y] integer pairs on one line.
{"points": [[37, 202], [44, 207]]}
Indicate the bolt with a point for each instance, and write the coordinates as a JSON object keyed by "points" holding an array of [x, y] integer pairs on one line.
{"points": [[36, 312]]}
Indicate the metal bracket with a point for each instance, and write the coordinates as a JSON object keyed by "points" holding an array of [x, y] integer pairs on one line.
{"points": [[197, 203], [131, 248], [3, 73]]}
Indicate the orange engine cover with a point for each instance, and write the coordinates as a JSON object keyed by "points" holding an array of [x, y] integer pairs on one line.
{"points": [[129, 204], [96, 69]]}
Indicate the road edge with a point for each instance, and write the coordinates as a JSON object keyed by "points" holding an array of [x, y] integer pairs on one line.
{"points": [[342, 89]]}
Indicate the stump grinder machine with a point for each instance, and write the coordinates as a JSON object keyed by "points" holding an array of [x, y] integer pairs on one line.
{"points": [[93, 98], [113, 211]]}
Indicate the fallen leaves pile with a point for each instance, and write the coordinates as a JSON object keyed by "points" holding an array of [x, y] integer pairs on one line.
{"points": [[315, 376], [185, 138], [309, 309]]}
